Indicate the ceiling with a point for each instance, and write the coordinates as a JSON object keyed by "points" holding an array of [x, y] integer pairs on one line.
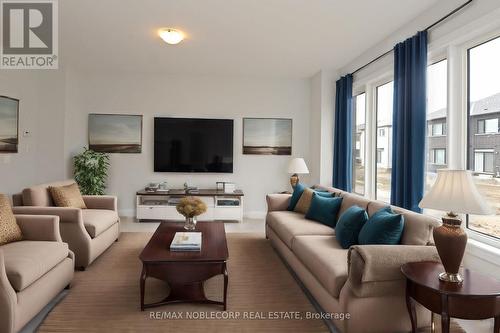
{"points": [[275, 38]]}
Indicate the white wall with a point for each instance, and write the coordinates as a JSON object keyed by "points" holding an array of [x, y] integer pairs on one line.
{"points": [[174, 96], [41, 109]]}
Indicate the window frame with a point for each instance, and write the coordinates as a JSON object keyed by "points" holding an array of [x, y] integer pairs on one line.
{"points": [[465, 48]]}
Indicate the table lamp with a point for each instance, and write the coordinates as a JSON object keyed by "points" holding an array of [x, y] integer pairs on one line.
{"points": [[295, 167], [454, 192]]}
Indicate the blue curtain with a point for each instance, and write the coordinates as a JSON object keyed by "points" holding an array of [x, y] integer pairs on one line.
{"points": [[342, 150], [409, 122]]}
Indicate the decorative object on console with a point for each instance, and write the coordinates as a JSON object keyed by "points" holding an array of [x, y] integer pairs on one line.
{"points": [[9, 124], [267, 136], [115, 133], [455, 192], [91, 172], [295, 167], [229, 187], [190, 208]]}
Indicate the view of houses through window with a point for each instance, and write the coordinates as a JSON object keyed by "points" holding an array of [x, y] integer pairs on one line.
{"points": [[384, 141], [483, 130], [359, 144]]}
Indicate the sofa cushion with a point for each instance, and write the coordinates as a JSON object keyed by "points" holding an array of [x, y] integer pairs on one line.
{"points": [[324, 210], [325, 259], [287, 225], [27, 261], [304, 202], [349, 226], [67, 196], [296, 194], [384, 228], [97, 221], [39, 195], [350, 199], [418, 227], [9, 230]]}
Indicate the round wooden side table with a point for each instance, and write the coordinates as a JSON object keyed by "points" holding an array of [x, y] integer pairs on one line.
{"points": [[477, 297]]}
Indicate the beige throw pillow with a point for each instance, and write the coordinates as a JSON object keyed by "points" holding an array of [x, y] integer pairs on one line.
{"points": [[304, 201], [9, 230], [67, 196]]}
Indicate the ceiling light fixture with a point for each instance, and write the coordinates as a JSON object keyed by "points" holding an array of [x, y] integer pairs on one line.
{"points": [[171, 36]]}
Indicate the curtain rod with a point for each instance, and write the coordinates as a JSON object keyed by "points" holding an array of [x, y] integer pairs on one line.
{"points": [[428, 28]]}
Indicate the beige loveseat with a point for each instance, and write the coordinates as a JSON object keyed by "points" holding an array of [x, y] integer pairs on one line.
{"points": [[32, 271], [365, 280], [88, 232]]}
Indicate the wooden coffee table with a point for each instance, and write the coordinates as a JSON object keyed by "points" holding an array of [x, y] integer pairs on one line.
{"points": [[185, 272], [477, 297]]}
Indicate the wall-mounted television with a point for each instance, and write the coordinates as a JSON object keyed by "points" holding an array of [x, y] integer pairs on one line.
{"points": [[193, 145]]}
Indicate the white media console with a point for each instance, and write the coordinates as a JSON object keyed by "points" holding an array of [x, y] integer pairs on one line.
{"points": [[159, 205]]}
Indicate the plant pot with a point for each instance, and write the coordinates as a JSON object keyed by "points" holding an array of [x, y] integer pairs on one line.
{"points": [[190, 223]]}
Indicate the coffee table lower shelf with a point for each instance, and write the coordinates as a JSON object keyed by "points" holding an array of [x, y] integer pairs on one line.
{"points": [[185, 280]]}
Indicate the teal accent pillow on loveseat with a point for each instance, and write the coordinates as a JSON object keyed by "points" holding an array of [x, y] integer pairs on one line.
{"points": [[383, 227], [349, 226], [324, 209]]}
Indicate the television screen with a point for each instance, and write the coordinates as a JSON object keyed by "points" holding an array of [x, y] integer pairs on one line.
{"points": [[193, 145]]}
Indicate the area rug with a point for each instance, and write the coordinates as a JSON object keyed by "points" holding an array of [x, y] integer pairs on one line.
{"points": [[105, 297]]}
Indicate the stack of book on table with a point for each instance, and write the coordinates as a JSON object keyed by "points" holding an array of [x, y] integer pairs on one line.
{"points": [[186, 241]]}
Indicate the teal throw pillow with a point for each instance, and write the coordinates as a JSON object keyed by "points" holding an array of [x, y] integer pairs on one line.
{"points": [[349, 225], [324, 209], [383, 227], [297, 193]]}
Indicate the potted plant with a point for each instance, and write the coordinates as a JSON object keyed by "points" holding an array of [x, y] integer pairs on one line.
{"points": [[190, 208], [91, 171]]}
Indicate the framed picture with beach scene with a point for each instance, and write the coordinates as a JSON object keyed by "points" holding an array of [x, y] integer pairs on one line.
{"points": [[115, 133], [267, 136], [9, 124]]}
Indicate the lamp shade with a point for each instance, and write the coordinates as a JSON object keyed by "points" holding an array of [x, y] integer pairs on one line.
{"points": [[297, 165], [455, 191]]}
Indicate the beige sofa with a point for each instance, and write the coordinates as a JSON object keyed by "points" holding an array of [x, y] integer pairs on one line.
{"points": [[88, 232], [32, 271], [365, 280]]}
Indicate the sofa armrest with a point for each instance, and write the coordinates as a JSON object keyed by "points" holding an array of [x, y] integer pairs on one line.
{"points": [[8, 299], [39, 227], [66, 214], [108, 202], [375, 270], [278, 201]]}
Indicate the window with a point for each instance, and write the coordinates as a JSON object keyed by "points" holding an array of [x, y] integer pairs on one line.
{"points": [[437, 112], [380, 151], [359, 143], [487, 126], [384, 96], [484, 160], [483, 113], [381, 132], [438, 156], [436, 129]]}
